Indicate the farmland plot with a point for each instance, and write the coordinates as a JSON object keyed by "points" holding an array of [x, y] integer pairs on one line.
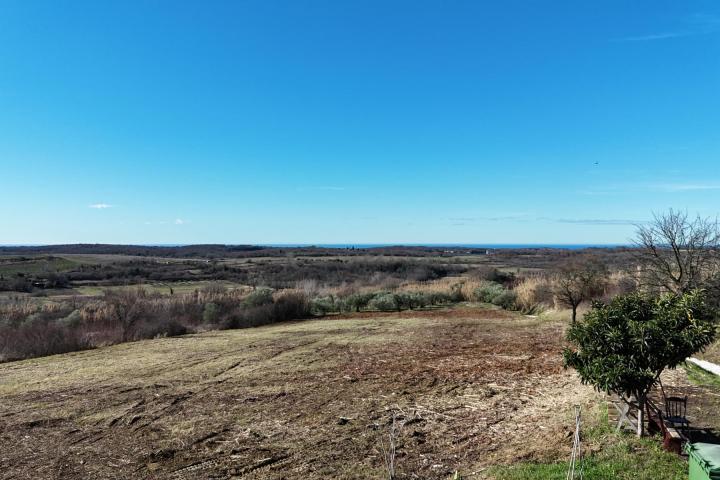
{"points": [[469, 387]]}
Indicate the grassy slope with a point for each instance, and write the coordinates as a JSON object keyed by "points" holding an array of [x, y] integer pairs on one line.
{"points": [[698, 376], [481, 388], [477, 387], [712, 354]]}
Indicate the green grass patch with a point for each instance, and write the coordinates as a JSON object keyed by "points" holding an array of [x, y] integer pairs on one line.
{"points": [[701, 377], [161, 288], [11, 266], [610, 456]]}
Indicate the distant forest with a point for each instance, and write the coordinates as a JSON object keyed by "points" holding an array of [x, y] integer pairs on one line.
{"points": [[246, 251]]}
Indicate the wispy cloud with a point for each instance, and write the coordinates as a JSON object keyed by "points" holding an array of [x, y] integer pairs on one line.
{"points": [[697, 24], [498, 218], [456, 221], [686, 187], [658, 36], [327, 188], [177, 221], [676, 187], [100, 206], [597, 221]]}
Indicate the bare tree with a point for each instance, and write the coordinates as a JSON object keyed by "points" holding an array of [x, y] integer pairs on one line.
{"points": [[677, 253], [127, 309], [577, 281]]}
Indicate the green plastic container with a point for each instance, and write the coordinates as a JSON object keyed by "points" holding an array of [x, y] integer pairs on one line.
{"points": [[704, 459]]}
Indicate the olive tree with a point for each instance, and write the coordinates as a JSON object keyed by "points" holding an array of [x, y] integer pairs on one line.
{"points": [[622, 347]]}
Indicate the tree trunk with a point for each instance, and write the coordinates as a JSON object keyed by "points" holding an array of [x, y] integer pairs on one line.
{"points": [[641, 415], [574, 313]]}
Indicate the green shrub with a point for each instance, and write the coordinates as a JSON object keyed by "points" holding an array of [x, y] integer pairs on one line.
{"points": [[71, 321], [211, 312], [261, 296], [384, 302], [505, 300], [436, 298], [420, 299], [323, 305], [489, 292]]}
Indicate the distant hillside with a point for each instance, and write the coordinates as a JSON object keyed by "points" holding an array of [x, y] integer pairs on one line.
{"points": [[228, 251]]}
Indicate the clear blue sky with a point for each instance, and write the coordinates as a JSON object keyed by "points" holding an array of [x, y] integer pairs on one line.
{"points": [[367, 121]]}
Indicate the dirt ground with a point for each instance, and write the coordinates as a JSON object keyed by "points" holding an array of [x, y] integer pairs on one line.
{"points": [[307, 400], [703, 403]]}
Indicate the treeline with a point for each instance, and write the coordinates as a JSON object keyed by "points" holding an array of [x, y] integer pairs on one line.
{"points": [[181, 251], [527, 255], [29, 329], [275, 274], [232, 251]]}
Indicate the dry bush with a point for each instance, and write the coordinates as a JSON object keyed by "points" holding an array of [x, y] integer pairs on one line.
{"points": [[29, 328], [383, 281], [491, 274], [534, 293], [214, 293], [14, 310], [127, 307], [40, 338], [309, 286], [461, 287], [620, 283], [287, 305], [291, 305]]}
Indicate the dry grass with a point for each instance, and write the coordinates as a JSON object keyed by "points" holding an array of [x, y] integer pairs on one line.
{"points": [[473, 387], [534, 292], [466, 285]]}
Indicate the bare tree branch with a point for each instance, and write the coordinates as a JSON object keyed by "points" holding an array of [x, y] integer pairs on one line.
{"points": [[677, 253]]}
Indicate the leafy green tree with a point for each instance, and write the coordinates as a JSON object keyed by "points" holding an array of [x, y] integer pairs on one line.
{"points": [[384, 302], [622, 347], [359, 301]]}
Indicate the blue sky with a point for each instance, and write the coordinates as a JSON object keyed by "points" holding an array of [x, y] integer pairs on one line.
{"points": [[355, 122]]}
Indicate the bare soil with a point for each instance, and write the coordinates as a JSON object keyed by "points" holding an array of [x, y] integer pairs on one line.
{"points": [[308, 400]]}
